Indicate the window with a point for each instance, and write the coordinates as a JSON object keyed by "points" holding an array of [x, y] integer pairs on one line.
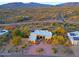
{"points": [[72, 34], [76, 38]]}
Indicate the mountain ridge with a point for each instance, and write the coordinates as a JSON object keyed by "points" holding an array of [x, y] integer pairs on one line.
{"points": [[23, 5], [68, 4], [15, 5]]}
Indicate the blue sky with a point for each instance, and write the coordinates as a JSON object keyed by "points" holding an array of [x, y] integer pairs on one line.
{"points": [[51, 3]]}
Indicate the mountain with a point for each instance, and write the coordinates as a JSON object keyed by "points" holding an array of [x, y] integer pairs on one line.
{"points": [[68, 4], [15, 5], [23, 5]]}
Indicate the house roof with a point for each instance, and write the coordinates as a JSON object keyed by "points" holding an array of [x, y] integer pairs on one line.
{"points": [[3, 31], [45, 33], [74, 35], [76, 38]]}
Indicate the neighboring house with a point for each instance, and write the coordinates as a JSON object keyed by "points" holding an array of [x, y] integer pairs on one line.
{"points": [[25, 18], [40, 34], [74, 37], [3, 32]]}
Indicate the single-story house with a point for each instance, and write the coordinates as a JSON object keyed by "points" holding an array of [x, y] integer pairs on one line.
{"points": [[3, 32], [40, 34], [74, 37]]}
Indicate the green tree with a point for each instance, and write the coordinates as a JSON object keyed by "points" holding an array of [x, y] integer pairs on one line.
{"points": [[17, 32], [25, 30]]}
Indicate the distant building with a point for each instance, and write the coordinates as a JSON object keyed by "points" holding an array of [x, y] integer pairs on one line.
{"points": [[40, 34], [74, 37], [3, 32], [26, 18]]}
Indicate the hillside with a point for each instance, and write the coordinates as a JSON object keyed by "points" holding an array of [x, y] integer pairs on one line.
{"points": [[68, 4], [18, 13], [23, 5]]}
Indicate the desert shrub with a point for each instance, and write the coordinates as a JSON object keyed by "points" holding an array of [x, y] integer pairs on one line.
{"points": [[58, 39], [25, 30], [3, 39], [24, 46], [16, 40], [17, 32], [60, 30], [54, 50], [40, 50]]}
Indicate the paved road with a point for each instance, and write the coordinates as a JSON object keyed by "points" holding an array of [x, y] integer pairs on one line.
{"points": [[38, 22], [30, 22]]}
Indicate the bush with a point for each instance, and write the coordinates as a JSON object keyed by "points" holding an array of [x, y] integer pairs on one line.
{"points": [[24, 46], [40, 50], [25, 30], [16, 40], [17, 32], [58, 39], [54, 50], [3, 39], [60, 30]]}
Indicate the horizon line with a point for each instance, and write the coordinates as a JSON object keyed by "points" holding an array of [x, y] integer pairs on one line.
{"points": [[49, 3]]}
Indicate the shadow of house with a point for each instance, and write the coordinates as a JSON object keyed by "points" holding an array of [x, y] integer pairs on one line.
{"points": [[40, 38]]}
